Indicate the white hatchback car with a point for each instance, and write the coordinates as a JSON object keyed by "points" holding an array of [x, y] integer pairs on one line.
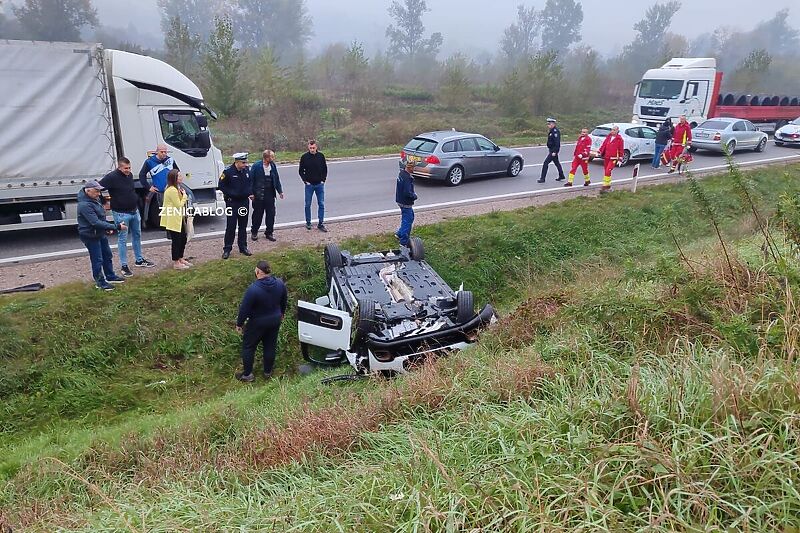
{"points": [[640, 140], [788, 134]]}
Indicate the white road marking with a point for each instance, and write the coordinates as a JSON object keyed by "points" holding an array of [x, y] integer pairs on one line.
{"points": [[369, 214]]}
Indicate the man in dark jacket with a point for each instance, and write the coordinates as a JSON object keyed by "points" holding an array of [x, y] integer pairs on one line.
{"points": [[92, 230], [314, 171], [266, 185], [237, 189], [663, 136], [125, 209], [260, 314], [553, 147], [405, 196]]}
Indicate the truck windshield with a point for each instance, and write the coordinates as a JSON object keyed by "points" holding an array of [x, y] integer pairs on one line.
{"points": [[180, 129], [668, 89]]}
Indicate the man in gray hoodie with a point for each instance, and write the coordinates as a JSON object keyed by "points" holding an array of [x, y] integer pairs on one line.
{"points": [[92, 230]]}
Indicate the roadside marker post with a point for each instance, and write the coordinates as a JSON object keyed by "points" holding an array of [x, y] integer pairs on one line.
{"points": [[635, 177]]}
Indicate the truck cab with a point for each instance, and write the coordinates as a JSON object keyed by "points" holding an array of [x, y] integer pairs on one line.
{"points": [[682, 86]]}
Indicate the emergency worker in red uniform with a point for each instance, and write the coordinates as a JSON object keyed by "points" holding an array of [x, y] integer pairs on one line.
{"points": [[580, 158], [612, 151], [681, 140]]}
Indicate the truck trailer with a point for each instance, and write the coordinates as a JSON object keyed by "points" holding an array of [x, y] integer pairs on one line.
{"points": [[69, 110], [693, 87]]}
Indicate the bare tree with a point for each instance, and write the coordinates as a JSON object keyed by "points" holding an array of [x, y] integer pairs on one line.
{"points": [[406, 35], [519, 39]]}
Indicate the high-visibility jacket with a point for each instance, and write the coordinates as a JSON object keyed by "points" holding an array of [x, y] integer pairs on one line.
{"points": [[683, 134], [583, 146], [613, 146]]}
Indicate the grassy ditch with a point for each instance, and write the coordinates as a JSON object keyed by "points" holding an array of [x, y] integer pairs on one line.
{"points": [[642, 380]]}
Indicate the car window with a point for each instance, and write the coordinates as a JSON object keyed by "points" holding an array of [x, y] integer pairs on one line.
{"points": [[714, 125], [449, 147], [739, 126], [796, 122], [419, 144], [633, 132], [648, 133], [468, 145], [485, 144], [750, 126], [601, 132]]}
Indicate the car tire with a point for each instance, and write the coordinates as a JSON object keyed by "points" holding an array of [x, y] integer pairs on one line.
{"points": [[366, 317], [761, 145], [626, 157], [515, 167], [778, 143], [455, 176], [333, 259], [692, 149], [730, 147], [417, 249], [465, 306]]}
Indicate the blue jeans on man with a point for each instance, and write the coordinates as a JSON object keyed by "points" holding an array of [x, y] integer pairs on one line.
{"points": [[100, 257], [134, 223], [406, 221], [319, 190], [657, 156]]}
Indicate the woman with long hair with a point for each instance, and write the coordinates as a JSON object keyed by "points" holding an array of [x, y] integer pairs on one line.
{"points": [[173, 218]]}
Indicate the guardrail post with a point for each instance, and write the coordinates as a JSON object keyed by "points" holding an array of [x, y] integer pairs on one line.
{"points": [[635, 177]]}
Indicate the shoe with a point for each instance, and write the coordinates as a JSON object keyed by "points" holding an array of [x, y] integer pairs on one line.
{"points": [[246, 252], [115, 279], [587, 183], [187, 263], [560, 178], [180, 266], [308, 225], [270, 238], [568, 184], [670, 171], [322, 228], [254, 236], [247, 378], [605, 188], [540, 181], [102, 284], [267, 375], [226, 255], [144, 263], [126, 271]]}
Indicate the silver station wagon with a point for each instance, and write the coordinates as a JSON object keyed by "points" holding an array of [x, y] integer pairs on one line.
{"points": [[731, 134]]}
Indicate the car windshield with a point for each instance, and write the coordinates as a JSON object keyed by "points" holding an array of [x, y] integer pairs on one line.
{"points": [[714, 125], [669, 89], [601, 132], [796, 122], [418, 144]]}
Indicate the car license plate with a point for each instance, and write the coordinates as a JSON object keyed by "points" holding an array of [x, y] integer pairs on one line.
{"points": [[414, 158], [703, 135]]}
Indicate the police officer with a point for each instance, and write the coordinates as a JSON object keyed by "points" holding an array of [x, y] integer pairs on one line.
{"points": [[237, 188], [553, 147]]}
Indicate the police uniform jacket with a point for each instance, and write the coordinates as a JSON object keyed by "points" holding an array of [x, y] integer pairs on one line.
{"points": [[554, 141], [235, 185]]}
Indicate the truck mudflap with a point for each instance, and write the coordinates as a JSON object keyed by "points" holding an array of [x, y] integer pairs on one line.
{"points": [[443, 337]]}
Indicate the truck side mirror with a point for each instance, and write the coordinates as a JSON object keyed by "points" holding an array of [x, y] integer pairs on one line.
{"points": [[203, 140], [202, 121]]}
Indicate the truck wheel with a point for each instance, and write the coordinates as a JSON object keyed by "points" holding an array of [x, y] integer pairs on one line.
{"points": [[417, 249], [761, 145], [626, 157], [366, 317], [465, 306], [515, 167], [455, 176]]}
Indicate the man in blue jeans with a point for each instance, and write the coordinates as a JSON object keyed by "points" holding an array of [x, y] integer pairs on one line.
{"points": [[92, 229], [314, 171], [405, 196], [125, 209]]}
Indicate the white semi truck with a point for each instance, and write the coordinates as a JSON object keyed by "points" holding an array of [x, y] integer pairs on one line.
{"points": [[68, 110], [692, 86]]}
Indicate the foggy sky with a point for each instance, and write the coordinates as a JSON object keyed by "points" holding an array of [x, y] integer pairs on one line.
{"points": [[470, 27]]}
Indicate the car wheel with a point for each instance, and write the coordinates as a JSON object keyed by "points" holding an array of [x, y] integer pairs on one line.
{"points": [[761, 145], [692, 149], [455, 176], [333, 259], [417, 249], [465, 306], [730, 147], [626, 157], [366, 317], [778, 143], [515, 167]]}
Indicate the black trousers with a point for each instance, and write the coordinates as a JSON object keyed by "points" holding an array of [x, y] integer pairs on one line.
{"points": [[236, 218], [257, 332], [264, 209], [178, 239], [554, 159]]}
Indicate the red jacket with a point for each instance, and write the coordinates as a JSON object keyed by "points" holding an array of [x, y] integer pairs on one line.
{"points": [[612, 147], [683, 134], [583, 147]]}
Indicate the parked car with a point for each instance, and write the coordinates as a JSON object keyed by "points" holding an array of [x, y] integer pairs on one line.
{"points": [[385, 312], [453, 156], [640, 141], [788, 134], [719, 134]]}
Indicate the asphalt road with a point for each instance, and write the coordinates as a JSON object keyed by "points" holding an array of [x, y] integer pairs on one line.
{"points": [[362, 188]]}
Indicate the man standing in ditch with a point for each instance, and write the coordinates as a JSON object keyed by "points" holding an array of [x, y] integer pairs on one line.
{"points": [[553, 147], [405, 196], [260, 315], [314, 172]]}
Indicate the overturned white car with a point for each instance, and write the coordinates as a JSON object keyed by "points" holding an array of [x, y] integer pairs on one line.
{"points": [[385, 311]]}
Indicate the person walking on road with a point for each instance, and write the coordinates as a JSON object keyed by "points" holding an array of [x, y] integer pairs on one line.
{"points": [[260, 315], [662, 139], [405, 196], [612, 151], [125, 209], [553, 147], [681, 140], [173, 218], [314, 172], [266, 186], [580, 158], [237, 189], [92, 230]]}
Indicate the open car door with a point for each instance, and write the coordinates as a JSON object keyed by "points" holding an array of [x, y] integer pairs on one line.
{"points": [[319, 325]]}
